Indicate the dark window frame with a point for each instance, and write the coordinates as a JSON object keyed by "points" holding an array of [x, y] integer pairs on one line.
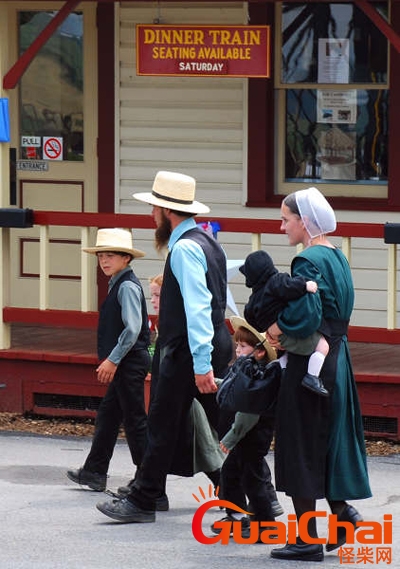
{"points": [[262, 150]]}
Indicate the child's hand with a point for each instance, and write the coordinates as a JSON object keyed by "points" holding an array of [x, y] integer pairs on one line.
{"points": [[223, 448], [311, 286]]}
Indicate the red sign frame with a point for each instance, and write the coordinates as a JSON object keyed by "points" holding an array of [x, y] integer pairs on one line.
{"points": [[206, 51]]}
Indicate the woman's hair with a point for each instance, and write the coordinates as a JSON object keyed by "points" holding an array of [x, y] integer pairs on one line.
{"points": [[158, 279], [291, 203]]}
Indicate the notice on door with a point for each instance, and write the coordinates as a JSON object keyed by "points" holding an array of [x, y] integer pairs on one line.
{"points": [[52, 148]]}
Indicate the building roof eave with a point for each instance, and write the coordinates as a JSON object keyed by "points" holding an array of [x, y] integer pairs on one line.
{"points": [[12, 77]]}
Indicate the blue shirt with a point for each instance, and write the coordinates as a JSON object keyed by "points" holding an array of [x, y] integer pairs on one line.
{"points": [[129, 297], [189, 266]]}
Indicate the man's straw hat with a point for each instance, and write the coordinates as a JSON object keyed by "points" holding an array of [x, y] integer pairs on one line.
{"points": [[173, 191], [117, 240], [239, 322]]}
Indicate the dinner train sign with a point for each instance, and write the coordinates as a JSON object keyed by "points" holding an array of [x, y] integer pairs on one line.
{"points": [[233, 51]]}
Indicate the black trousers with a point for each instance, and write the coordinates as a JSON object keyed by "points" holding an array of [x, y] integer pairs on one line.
{"points": [[246, 476], [123, 404], [169, 440]]}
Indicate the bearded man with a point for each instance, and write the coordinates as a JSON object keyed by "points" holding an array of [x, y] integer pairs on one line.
{"points": [[193, 344]]}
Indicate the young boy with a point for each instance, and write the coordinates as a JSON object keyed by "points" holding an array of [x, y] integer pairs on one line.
{"points": [[271, 291], [122, 344], [245, 474]]}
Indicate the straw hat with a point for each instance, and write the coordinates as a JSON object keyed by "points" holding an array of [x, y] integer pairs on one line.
{"points": [[118, 240], [238, 322], [173, 191]]}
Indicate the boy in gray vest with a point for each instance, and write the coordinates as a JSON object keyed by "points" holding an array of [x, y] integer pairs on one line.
{"points": [[122, 343]]}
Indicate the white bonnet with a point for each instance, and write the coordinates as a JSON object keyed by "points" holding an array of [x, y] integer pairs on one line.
{"points": [[315, 211]]}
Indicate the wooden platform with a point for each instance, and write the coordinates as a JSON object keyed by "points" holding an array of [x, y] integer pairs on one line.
{"points": [[50, 341], [51, 370], [44, 342]]}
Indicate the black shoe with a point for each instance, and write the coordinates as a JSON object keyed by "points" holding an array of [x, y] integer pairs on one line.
{"points": [[299, 552], [162, 503], [276, 508], [315, 384], [126, 512], [94, 480], [349, 514], [230, 519]]}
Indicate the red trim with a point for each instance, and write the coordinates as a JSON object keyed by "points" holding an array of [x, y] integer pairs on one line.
{"points": [[106, 122], [67, 318], [380, 23], [261, 114], [373, 335], [76, 319], [106, 107], [13, 76], [236, 225], [68, 218], [394, 117], [375, 378]]}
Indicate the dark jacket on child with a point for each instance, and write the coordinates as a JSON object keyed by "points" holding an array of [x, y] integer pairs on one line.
{"points": [[245, 475], [271, 290]]}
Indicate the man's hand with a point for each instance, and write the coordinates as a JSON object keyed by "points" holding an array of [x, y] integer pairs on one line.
{"points": [[205, 382], [106, 371]]}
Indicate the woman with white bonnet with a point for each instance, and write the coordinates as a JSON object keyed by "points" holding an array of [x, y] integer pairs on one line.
{"points": [[319, 448]]}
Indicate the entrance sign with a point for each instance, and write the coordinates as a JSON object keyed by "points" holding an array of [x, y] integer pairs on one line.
{"points": [[52, 148], [232, 51], [33, 165]]}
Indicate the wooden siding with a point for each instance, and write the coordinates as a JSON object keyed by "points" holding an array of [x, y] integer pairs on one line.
{"points": [[191, 124]]}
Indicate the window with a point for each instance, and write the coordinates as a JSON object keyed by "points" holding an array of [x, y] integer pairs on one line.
{"points": [[333, 98], [51, 93]]}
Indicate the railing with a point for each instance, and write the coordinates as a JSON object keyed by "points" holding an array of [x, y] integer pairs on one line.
{"points": [[85, 221]]}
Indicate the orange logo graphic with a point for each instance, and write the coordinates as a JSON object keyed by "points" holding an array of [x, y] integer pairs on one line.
{"points": [[274, 532]]}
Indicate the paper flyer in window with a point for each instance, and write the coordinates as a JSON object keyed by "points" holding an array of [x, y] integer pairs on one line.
{"points": [[333, 60], [337, 106]]}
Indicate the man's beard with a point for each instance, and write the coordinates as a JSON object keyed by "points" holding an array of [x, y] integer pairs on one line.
{"points": [[163, 233]]}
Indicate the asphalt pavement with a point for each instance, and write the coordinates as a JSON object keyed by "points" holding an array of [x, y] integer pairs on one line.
{"points": [[48, 522]]}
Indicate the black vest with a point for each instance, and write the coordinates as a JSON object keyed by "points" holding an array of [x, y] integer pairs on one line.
{"points": [[111, 324], [172, 319]]}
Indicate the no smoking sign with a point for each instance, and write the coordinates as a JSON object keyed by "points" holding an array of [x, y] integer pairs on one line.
{"points": [[52, 148]]}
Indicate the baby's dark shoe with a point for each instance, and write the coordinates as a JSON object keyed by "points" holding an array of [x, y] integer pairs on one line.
{"points": [[314, 383]]}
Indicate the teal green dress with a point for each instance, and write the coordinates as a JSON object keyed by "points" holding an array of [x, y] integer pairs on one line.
{"points": [[319, 443]]}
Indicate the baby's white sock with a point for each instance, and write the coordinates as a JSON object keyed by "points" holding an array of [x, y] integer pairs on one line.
{"points": [[315, 363]]}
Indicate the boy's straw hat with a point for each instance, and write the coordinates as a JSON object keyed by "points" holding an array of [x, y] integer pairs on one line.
{"points": [[238, 322], [117, 240], [173, 191]]}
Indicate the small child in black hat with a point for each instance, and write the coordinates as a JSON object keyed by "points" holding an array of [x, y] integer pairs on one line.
{"points": [[246, 438], [271, 291]]}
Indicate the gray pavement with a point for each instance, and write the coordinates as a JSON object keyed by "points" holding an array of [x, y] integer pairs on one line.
{"points": [[48, 522]]}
